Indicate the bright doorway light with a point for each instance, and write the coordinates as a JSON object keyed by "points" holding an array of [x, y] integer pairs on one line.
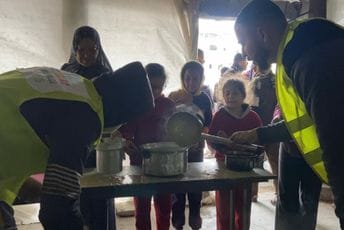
{"points": [[218, 41]]}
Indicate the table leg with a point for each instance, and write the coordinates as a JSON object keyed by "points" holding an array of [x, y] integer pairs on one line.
{"points": [[111, 215], [247, 206], [231, 210]]}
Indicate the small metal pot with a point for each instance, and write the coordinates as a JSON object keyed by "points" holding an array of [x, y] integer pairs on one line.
{"points": [[241, 161], [110, 155], [164, 159]]}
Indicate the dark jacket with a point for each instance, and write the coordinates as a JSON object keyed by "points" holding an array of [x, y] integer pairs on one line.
{"points": [[313, 60]]}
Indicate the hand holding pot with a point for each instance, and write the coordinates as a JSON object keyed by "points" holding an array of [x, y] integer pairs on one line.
{"points": [[245, 137], [130, 148], [181, 97]]}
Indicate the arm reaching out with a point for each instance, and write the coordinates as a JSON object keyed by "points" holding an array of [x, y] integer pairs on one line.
{"points": [[273, 133], [245, 137]]}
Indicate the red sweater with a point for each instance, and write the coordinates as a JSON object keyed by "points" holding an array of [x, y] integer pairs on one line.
{"points": [[150, 127], [228, 123]]}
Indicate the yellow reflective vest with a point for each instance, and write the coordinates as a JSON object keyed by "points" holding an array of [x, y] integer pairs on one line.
{"points": [[298, 121], [18, 141]]}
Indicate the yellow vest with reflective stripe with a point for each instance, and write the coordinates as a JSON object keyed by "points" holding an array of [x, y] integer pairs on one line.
{"points": [[18, 141], [299, 123]]}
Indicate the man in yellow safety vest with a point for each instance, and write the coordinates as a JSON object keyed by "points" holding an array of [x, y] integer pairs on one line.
{"points": [[309, 85]]}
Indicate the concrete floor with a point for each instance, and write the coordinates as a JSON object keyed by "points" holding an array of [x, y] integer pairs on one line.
{"points": [[262, 217]]}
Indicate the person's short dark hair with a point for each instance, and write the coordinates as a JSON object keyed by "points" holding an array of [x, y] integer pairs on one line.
{"points": [[234, 83], [261, 11], [155, 70], [238, 57], [200, 55], [192, 65], [200, 51], [224, 69]]}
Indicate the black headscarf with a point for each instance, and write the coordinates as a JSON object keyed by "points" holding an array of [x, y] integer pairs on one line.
{"points": [[102, 64]]}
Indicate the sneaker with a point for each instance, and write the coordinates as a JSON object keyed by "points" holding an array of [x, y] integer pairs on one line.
{"points": [[274, 200]]}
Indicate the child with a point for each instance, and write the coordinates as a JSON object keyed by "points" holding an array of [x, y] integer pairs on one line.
{"points": [[234, 116], [192, 76], [147, 129]]}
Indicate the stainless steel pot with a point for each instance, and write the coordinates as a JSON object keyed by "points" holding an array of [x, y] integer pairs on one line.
{"points": [[164, 159], [110, 155]]}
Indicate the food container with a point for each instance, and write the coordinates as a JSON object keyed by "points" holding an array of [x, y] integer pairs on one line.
{"points": [[242, 161], [184, 128], [164, 159], [110, 155]]}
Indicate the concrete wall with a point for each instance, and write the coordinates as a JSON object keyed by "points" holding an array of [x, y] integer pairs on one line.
{"points": [[335, 11]]}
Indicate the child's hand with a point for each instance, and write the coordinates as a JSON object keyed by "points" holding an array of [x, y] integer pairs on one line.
{"points": [[195, 148], [181, 97], [130, 148]]}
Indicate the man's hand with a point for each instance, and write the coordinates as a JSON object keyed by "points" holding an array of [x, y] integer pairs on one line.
{"points": [[245, 137]]}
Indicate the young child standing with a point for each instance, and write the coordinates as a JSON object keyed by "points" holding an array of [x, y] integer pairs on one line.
{"points": [[234, 116], [148, 129], [192, 76]]}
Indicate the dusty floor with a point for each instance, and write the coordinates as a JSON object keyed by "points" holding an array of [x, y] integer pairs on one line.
{"points": [[262, 217]]}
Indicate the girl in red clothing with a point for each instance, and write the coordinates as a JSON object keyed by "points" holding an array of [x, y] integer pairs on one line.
{"points": [[147, 129], [234, 116]]}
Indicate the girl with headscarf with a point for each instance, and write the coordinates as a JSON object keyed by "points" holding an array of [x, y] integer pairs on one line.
{"points": [[87, 57]]}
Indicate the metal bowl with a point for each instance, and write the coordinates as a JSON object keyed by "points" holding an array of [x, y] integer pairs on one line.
{"points": [[184, 128], [241, 161]]}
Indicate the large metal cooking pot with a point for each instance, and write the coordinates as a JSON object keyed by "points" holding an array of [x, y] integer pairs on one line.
{"points": [[164, 159], [110, 155]]}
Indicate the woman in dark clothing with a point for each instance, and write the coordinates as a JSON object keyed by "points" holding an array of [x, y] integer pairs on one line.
{"points": [[87, 57]]}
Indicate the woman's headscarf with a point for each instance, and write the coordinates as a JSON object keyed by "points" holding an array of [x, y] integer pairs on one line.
{"points": [[102, 64]]}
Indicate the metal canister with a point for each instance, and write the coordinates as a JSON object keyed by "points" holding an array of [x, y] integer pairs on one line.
{"points": [[110, 155]]}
